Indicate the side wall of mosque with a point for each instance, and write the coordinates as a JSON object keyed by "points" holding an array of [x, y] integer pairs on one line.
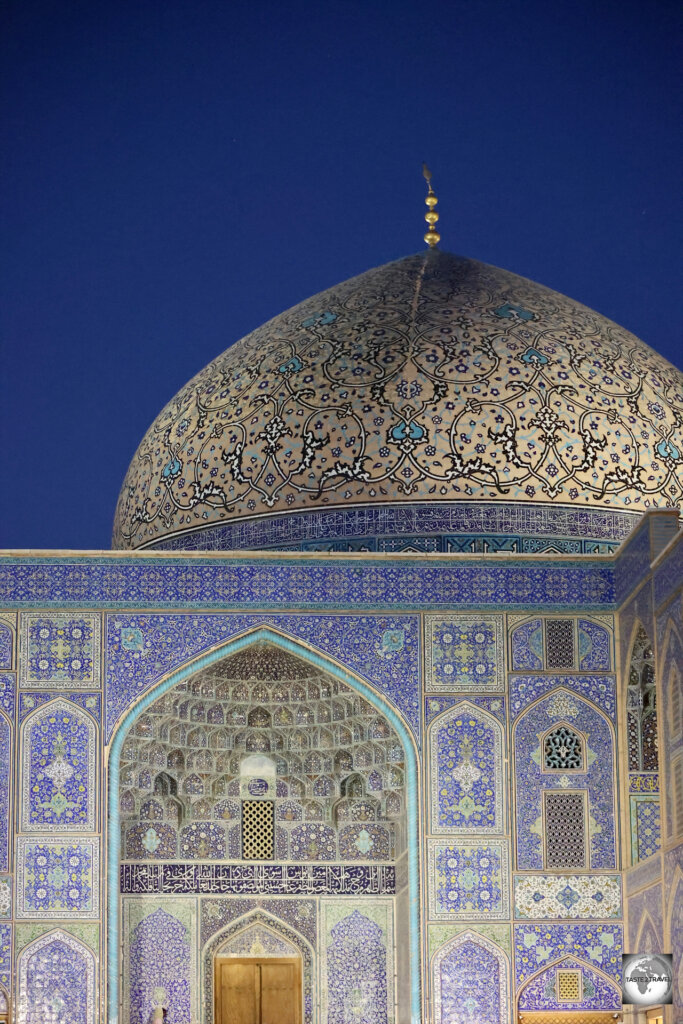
{"points": [[469, 771]]}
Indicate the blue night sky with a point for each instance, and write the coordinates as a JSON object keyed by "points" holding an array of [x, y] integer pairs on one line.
{"points": [[175, 173]]}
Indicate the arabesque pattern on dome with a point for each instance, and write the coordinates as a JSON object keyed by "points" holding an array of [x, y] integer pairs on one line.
{"points": [[434, 379]]}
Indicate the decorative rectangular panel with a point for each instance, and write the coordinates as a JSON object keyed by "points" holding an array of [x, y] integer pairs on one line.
{"points": [[464, 652], [559, 643], [258, 830], [468, 881], [59, 651], [57, 878], [564, 830], [567, 896], [568, 986]]}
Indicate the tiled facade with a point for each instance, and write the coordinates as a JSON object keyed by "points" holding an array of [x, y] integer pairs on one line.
{"points": [[394, 778]]}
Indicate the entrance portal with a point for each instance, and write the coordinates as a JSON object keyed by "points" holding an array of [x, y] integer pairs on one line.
{"points": [[251, 991]]}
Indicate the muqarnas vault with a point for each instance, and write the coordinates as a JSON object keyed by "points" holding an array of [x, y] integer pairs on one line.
{"points": [[374, 711]]}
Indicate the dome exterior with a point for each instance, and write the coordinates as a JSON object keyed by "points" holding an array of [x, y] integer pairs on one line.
{"points": [[433, 397]]}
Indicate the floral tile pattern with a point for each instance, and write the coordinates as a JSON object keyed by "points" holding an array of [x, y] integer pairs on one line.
{"points": [[464, 652], [466, 761], [56, 975], [537, 945], [5, 895], [7, 693], [645, 827], [160, 963], [468, 881], [6, 774], [7, 632], [576, 896], [58, 651], [58, 879], [59, 775], [597, 992], [5, 954], [470, 981], [357, 962]]}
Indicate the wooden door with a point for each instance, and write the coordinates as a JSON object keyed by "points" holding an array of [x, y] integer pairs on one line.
{"points": [[250, 991]]}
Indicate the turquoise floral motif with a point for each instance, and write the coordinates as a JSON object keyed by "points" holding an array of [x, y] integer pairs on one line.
{"points": [[59, 770], [464, 653], [466, 760]]}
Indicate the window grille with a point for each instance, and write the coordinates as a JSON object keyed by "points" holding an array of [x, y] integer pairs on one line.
{"points": [[258, 829], [565, 830], [559, 643], [563, 750], [568, 986]]}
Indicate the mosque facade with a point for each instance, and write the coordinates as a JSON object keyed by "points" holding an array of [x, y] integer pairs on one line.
{"points": [[373, 714]]}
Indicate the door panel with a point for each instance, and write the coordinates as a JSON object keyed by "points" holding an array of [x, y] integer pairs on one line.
{"points": [[237, 990], [249, 991], [278, 993]]}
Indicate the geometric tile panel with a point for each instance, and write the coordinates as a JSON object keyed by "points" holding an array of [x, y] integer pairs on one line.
{"points": [[470, 981], [57, 878], [645, 827], [558, 896], [58, 784], [59, 651], [464, 652], [468, 881], [56, 975], [466, 770]]}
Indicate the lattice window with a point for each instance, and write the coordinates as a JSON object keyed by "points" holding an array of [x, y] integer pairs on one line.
{"points": [[563, 750], [258, 829], [641, 702], [559, 643], [565, 830], [568, 986]]}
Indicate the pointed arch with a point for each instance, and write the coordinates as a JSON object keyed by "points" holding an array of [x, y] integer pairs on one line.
{"points": [[58, 790], [605, 989], [647, 932], [466, 749], [456, 968], [321, 661], [67, 971], [237, 928]]}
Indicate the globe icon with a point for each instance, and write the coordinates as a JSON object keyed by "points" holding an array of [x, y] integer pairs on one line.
{"points": [[647, 980]]}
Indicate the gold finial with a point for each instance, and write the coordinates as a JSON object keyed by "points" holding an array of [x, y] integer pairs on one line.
{"points": [[432, 236]]}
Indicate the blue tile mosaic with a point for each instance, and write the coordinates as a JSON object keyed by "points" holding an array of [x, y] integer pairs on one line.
{"points": [[7, 694], [469, 981], [468, 880], [57, 981], [5, 954], [597, 780], [464, 652], [5, 789], [159, 966], [598, 993], [434, 705], [466, 771], [537, 945], [645, 827], [668, 575], [58, 651], [58, 770], [58, 879], [383, 650], [594, 647], [600, 689], [527, 646], [357, 972], [91, 702], [6, 645], [113, 581]]}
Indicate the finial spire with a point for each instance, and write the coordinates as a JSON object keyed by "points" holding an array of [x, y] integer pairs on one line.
{"points": [[432, 236]]}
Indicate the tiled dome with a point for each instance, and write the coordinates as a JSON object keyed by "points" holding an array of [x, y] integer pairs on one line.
{"points": [[435, 396]]}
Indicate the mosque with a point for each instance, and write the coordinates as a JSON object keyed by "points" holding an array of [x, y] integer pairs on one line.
{"points": [[373, 713]]}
